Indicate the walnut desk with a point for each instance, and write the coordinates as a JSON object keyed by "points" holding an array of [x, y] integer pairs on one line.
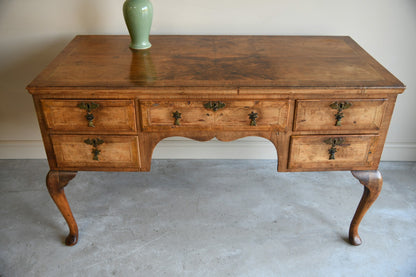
{"points": [[323, 102]]}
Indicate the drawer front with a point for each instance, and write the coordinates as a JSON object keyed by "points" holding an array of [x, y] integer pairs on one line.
{"points": [[75, 151], [103, 116], [328, 115], [227, 115], [159, 115], [238, 115], [332, 152]]}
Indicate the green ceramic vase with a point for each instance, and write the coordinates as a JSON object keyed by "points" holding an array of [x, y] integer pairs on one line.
{"points": [[138, 15]]}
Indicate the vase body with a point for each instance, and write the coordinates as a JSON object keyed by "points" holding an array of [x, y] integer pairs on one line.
{"points": [[138, 15]]}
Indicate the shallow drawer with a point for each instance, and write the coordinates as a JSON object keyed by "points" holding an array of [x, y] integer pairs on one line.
{"points": [[218, 115], [332, 152], [96, 151], [365, 114], [101, 116]]}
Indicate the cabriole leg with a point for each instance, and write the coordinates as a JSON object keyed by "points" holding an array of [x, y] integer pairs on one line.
{"points": [[372, 181], [55, 182]]}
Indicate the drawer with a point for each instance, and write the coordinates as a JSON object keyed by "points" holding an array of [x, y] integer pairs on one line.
{"points": [[75, 151], [328, 115], [314, 152], [104, 116], [223, 115]]}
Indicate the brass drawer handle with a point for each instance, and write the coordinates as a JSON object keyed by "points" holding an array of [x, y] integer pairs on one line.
{"points": [[253, 116], [89, 107], [334, 142], [94, 142], [340, 106], [177, 115], [214, 105]]}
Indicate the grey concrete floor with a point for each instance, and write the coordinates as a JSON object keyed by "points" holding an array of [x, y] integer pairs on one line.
{"points": [[206, 218]]}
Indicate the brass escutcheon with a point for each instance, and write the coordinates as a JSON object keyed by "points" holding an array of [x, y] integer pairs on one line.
{"points": [[214, 105], [89, 107], [340, 106], [334, 142], [94, 142], [253, 116], [177, 115]]}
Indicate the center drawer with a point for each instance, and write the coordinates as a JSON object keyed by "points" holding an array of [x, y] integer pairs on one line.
{"points": [[241, 115]]}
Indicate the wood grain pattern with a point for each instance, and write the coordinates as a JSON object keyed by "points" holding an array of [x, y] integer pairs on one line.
{"points": [[288, 81], [215, 61], [364, 114], [157, 115], [272, 115], [111, 116], [311, 152], [116, 152]]}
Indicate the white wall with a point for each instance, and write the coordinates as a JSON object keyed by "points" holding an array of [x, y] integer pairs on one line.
{"points": [[32, 33]]}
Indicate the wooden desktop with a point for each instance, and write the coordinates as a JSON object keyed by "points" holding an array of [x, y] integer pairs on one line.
{"points": [[323, 102]]}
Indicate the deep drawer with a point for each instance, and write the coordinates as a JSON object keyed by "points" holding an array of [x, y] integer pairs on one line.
{"points": [[79, 151], [329, 115], [332, 152], [101, 116]]}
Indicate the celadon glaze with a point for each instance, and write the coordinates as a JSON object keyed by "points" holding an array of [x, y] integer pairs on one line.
{"points": [[138, 15]]}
